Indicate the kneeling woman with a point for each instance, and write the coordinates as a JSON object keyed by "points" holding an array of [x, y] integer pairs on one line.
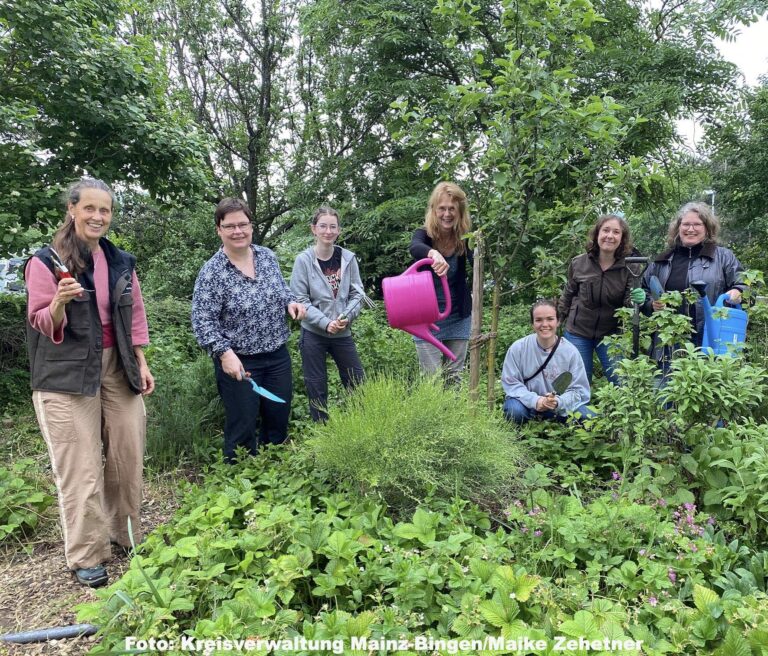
{"points": [[532, 365], [326, 279]]}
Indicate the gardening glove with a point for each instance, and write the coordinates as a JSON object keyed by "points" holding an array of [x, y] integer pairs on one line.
{"points": [[637, 295]]}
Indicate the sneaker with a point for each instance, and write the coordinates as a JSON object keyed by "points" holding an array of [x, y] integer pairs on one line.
{"points": [[93, 577]]}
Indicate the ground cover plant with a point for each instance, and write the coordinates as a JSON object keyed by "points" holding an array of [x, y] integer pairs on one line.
{"points": [[645, 523], [277, 548], [22, 502]]}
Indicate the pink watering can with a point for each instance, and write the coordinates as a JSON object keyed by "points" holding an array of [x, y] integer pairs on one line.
{"points": [[411, 303]]}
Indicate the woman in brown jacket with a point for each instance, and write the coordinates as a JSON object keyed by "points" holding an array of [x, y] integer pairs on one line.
{"points": [[598, 284]]}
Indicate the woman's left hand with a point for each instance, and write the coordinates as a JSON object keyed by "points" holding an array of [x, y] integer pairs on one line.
{"points": [[147, 380], [297, 311], [734, 296], [337, 325]]}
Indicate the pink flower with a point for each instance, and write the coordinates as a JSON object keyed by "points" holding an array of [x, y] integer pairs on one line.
{"points": [[653, 601], [616, 476], [671, 574], [641, 552], [537, 533]]}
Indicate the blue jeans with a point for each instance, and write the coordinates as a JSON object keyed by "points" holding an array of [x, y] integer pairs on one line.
{"points": [[586, 347], [246, 410], [518, 413]]}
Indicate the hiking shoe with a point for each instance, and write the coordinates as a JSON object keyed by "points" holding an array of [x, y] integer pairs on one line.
{"points": [[93, 577]]}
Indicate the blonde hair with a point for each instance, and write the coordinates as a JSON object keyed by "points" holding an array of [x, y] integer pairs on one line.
{"points": [[463, 225], [707, 216]]}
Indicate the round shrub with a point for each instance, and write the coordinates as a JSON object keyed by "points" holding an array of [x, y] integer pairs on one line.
{"points": [[409, 440]]}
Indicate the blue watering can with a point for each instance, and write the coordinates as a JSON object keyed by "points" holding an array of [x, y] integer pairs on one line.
{"points": [[723, 334]]}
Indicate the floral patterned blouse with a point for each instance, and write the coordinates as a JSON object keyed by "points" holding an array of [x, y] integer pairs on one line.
{"points": [[232, 311]]}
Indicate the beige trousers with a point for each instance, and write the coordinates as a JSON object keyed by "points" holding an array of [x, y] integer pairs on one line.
{"points": [[96, 446]]}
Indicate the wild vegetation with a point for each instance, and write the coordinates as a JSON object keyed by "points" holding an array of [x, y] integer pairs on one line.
{"points": [[412, 512]]}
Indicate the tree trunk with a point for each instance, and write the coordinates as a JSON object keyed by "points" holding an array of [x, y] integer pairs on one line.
{"points": [[491, 354], [477, 317]]}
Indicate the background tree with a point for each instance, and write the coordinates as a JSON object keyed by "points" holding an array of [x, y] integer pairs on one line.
{"points": [[739, 147], [80, 93]]}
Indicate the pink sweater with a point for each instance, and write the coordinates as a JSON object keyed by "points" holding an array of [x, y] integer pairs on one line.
{"points": [[41, 288]]}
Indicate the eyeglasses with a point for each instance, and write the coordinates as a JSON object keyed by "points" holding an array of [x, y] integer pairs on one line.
{"points": [[325, 226], [235, 226], [691, 226]]}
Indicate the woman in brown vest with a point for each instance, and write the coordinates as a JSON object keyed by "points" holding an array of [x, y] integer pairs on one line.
{"points": [[86, 328]]}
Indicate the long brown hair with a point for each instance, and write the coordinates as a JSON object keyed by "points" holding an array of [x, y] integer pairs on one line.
{"points": [[625, 245], [431, 224], [73, 251]]}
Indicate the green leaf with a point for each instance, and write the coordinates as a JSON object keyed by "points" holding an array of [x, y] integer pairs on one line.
{"points": [[704, 598], [187, 547]]}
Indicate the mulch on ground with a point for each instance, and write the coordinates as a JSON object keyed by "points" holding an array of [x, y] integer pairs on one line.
{"points": [[37, 591]]}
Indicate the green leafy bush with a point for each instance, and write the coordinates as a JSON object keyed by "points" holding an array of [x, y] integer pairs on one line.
{"points": [[407, 440], [731, 466], [14, 367], [276, 547], [182, 414], [21, 501]]}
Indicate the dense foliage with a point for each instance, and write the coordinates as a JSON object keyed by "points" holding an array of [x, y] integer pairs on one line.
{"points": [[404, 440]]}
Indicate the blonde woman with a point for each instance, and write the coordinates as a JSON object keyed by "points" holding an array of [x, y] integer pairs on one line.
{"points": [[445, 223]]}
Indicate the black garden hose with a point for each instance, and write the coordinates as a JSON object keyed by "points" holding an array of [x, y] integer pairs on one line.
{"points": [[51, 633]]}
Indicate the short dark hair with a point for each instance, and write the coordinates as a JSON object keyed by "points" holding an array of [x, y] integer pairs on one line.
{"points": [[539, 302], [230, 205]]}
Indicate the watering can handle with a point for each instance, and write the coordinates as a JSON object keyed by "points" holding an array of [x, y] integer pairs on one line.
{"points": [[443, 279], [725, 297]]}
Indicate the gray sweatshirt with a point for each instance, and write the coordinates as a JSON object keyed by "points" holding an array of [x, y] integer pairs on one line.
{"points": [[312, 289], [525, 356]]}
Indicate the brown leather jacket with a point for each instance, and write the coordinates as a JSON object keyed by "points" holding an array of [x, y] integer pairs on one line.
{"points": [[591, 296]]}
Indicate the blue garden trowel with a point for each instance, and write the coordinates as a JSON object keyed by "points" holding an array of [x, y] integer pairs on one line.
{"points": [[260, 390], [656, 289]]}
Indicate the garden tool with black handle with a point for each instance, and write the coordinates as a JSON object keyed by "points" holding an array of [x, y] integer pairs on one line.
{"points": [[636, 266]]}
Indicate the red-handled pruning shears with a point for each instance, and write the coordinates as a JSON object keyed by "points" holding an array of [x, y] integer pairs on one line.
{"points": [[61, 270]]}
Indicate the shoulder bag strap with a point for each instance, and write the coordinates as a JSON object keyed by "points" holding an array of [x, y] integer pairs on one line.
{"points": [[546, 362]]}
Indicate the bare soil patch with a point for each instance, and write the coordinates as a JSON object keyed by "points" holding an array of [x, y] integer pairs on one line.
{"points": [[37, 591]]}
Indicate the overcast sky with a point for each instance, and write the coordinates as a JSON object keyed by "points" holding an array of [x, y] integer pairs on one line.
{"points": [[750, 53]]}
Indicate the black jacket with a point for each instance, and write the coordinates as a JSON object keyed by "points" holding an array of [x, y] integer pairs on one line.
{"points": [[592, 296], [421, 244]]}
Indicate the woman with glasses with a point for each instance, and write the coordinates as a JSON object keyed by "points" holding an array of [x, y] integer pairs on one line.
{"points": [[239, 310], [694, 255], [445, 223], [85, 333], [326, 279]]}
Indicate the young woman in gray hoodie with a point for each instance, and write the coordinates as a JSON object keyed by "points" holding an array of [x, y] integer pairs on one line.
{"points": [[326, 279]]}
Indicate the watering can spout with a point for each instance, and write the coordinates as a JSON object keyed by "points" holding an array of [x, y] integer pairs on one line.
{"points": [[422, 332]]}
